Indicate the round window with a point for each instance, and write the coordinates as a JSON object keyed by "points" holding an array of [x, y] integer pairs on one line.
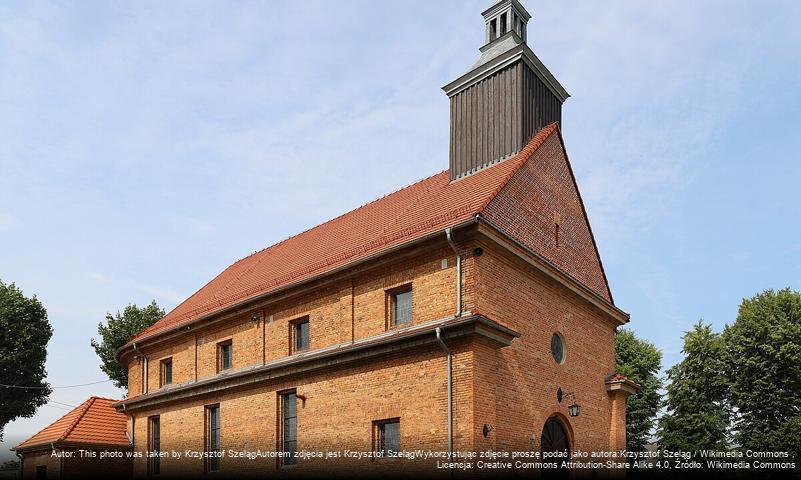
{"points": [[558, 348]]}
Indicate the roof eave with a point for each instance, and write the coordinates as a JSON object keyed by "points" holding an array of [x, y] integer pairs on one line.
{"points": [[521, 52], [549, 268], [382, 344], [183, 326], [67, 443]]}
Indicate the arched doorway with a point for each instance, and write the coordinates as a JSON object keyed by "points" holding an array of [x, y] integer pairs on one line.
{"points": [[555, 438]]}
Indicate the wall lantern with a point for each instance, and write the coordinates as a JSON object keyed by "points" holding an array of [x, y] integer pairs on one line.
{"points": [[573, 408]]}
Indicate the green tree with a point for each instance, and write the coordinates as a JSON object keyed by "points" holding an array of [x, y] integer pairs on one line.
{"points": [[640, 361], [116, 332], [697, 415], [763, 357], [24, 333]]}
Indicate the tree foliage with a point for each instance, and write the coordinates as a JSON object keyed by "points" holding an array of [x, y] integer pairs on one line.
{"points": [[24, 333], [697, 415], [640, 361], [116, 332], [763, 358]]}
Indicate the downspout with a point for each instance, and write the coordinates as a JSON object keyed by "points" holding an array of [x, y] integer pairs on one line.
{"points": [[144, 368], [449, 235], [130, 435], [450, 395], [21, 463]]}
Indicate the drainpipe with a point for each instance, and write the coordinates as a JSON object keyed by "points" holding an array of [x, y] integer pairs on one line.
{"points": [[450, 394], [449, 235], [21, 463], [144, 373]]}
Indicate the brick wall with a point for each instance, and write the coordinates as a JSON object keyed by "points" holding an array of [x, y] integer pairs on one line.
{"points": [[43, 458], [542, 195], [338, 413], [350, 309], [116, 467], [135, 376], [524, 376], [183, 363], [510, 389]]}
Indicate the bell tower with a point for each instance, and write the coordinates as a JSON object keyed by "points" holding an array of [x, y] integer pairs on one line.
{"points": [[504, 17], [506, 97]]}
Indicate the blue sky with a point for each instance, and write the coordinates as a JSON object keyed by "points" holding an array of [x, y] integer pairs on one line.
{"points": [[145, 146]]}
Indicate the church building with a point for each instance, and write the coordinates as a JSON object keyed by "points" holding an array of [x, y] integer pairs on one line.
{"points": [[467, 312]]}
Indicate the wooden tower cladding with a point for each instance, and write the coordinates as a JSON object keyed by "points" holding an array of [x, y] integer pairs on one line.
{"points": [[505, 98]]}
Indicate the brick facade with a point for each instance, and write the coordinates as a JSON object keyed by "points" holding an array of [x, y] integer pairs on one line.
{"points": [[528, 270], [511, 389]]}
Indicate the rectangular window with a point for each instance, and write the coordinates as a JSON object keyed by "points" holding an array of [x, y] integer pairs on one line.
{"points": [[493, 29], [213, 437], [503, 23], [154, 445], [225, 355], [166, 371], [289, 428], [401, 306], [41, 472], [300, 335], [388, 433]]}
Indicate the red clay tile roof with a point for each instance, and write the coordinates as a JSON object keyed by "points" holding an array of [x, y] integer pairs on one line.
{"points": [[425, 207], [95, 421]]}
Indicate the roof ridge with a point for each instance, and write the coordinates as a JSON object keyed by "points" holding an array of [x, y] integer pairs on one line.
{"points": [[97, 397], [378, 242], [533, 144], [331, 220], [254, 274], [276, 245], [43, 429], [82, 412], [586, 217], [89, 402], [218, 300]]}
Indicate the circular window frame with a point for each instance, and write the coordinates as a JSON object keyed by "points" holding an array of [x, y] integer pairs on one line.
{"points": [[563, 343]]}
